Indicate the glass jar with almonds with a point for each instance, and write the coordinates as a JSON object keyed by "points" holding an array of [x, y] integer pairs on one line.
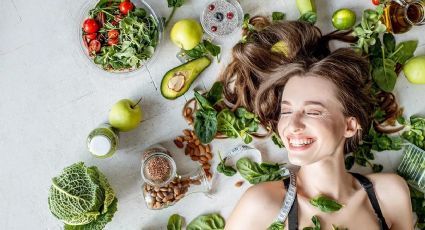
{"points": [[162, 186]]}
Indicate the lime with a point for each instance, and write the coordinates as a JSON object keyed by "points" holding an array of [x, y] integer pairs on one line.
{"points": [[343, 19]]}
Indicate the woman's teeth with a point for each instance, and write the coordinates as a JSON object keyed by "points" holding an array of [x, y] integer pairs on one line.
{"points": [[300, 142]]}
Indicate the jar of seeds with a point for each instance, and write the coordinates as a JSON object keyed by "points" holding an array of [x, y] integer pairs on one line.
{"points": [[159, 197], [158, 167]]}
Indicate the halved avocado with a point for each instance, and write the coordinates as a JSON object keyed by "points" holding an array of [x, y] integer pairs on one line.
{"points": [[178, 80]]}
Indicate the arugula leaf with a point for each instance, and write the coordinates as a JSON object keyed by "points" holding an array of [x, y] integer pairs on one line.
{"points": [[256, 173], [207, 222], [276, 226], [325, 204], [225, 169], [205, 125], [175, 222], [310, 17], [276, 16]]}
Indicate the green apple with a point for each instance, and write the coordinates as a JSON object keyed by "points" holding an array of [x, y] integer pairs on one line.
{"points": [[186, 33], [414, 70], [125, 115]]}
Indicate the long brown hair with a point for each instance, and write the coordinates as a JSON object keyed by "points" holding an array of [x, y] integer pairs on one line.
{"points": [[257, 76]]}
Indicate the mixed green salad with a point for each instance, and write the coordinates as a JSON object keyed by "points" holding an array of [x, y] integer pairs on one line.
{"points": [[120, 36]]}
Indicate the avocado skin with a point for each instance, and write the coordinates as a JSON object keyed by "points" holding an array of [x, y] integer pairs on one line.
{"points": [[195, 67]]}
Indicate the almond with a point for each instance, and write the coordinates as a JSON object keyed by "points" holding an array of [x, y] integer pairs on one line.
{"points": [[239, 183], [179, 144]]}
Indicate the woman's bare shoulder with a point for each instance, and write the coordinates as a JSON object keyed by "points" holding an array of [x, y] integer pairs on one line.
{"points": [[394, 199], [264, 199]]}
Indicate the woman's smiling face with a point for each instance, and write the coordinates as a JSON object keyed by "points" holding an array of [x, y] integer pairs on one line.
{"points": [[312, 124]]}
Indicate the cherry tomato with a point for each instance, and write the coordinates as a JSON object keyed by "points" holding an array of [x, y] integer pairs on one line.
{"points": [[90, 26], [112, 34], [113, 41], [126, 6], [376, 2], [94, 46], [91, 36]]}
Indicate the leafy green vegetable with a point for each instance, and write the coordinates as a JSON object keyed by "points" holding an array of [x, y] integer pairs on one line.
{"points": [[316, 223], [207, 222], [404, 51], [241, 123], [138, 38], [416, 131], [100, 222], [325, 204], [277, 225], [418, 206], [205, 125], [276, 16], [256, 173], [204, 48], [338, 228], [175, 222], [369, 28], [215, 95], [277, 141], [310, 17], [225, 169], [175, 4], [81, 196]]}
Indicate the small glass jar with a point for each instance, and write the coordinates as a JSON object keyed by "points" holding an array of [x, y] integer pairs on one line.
{"points": [[159, 197], [158, 167], [400, 15], [103, 141]]}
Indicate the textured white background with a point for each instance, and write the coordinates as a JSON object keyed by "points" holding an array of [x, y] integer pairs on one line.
{"points": [[51, 98]]}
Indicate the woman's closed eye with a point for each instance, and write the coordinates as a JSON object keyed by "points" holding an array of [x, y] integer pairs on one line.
{"points": [[313, 112]]}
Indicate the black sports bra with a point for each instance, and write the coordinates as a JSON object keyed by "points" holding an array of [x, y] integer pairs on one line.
{"points": [[292, 204]]}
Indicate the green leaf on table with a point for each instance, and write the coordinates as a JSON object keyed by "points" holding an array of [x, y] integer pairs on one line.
{"points": [[205, 125], [207, 222], [277, 141], [175, 3], [389, 42], [277, 225], [213, 49], [310, 17], [377, 168], [175, 222], [325, 204], [225, 169], [215, 94], [405, 50], [385, 76], [226, 120], [276, 16], [203, 102]]}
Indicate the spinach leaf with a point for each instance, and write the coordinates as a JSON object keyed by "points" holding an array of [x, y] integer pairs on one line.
{"points": [[205, 125], [377, 168], [175, 222], [277, 225], [325, 204], [316, 223], [404, 51], [207, 222], [349, 162], [385, 76], [203, 102], [389, 42], [215, 95], [225, 169], [256, 173], [213, 49], [310, 17], [225, 120], [276, 16]]}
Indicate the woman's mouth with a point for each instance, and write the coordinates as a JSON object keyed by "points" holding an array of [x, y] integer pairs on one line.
{"points": [[298, 144]]}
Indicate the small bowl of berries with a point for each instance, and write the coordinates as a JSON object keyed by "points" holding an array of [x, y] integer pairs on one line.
{"points": [[221, 17], [119, 36]]}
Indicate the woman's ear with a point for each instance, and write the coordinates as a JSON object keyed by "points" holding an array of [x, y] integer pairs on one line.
{"points": [[352, 126]]}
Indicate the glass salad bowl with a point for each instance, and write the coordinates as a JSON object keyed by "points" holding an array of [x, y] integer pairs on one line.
{"points": [[119, 37]]}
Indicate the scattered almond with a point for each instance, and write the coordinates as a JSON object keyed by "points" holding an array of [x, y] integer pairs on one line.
{"points": [[239, 183]]}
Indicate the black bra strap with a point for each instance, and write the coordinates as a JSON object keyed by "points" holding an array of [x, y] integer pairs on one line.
{"points": [[368, 187]]}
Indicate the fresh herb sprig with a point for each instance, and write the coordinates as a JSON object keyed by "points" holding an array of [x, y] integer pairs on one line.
{"points": [[316, 223], [369, 28], [174, 4], [205, 48], [223, 168]]}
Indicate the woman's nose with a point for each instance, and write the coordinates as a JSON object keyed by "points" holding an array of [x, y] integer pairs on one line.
{"points": [[296, 123]]}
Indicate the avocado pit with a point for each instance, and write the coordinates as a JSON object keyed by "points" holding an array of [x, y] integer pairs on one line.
{"points": [[176, 82]]}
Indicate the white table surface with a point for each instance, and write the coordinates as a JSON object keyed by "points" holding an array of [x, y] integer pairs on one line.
{"points": [[51, 98]]}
